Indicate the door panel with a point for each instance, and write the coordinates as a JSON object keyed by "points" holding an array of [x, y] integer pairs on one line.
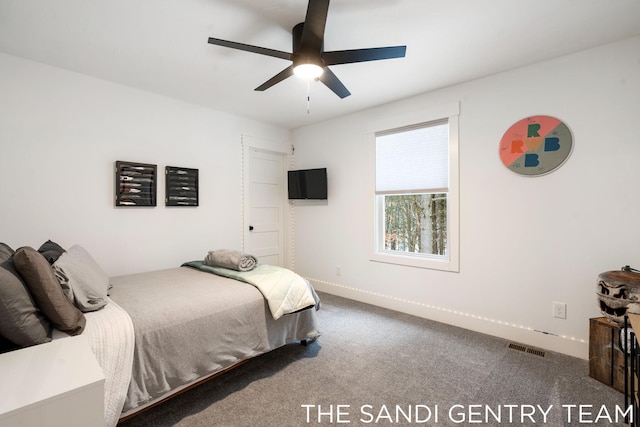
{"points": [[264, 206]]}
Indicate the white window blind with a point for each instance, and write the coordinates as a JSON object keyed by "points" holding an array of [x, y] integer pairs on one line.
{"points": [[413, 160]]}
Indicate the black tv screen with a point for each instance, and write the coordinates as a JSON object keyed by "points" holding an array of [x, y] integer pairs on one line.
{"points": [[310, 184]]}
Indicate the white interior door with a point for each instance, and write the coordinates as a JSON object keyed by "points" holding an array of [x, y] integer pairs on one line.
{"points": [[264, 193]]}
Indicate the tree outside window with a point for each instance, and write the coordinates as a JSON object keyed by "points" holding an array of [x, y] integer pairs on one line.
{"points": [[416, 223]]}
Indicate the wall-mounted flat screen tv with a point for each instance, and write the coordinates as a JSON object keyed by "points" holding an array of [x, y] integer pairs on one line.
{"points": [[310, 184]]}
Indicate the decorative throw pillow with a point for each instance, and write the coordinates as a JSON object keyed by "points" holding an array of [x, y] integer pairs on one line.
{"points": [[51, 251], [46, 291], [81, 276], [5, 252], [21, 322]]}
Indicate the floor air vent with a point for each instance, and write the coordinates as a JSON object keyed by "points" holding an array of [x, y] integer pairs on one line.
{"points": [[525, 349]]}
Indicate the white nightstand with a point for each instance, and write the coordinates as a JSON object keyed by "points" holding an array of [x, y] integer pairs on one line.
{"points": [[57, 384]]}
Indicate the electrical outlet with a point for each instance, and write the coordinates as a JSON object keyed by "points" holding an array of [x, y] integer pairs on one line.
{"points": [[560, 310], [338, 270]]}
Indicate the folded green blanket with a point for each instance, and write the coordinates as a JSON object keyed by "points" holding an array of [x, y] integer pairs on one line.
{"points": [[285, 291]]}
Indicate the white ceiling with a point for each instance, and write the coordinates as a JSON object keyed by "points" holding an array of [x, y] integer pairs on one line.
{"points": [[161, 45]]}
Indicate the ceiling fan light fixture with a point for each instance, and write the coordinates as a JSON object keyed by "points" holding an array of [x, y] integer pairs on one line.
{"points": [[308, 71]]}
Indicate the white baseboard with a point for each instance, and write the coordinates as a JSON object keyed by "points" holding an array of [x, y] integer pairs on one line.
{"points": [[519, 334]]}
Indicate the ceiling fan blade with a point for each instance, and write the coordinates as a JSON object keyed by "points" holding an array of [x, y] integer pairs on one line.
{"points": [[333, 82], [362, 55], [250, 48], [314, 24], [287, 72]]}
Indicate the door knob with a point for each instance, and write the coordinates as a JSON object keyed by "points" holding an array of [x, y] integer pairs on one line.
{"points": [[251, 228]]}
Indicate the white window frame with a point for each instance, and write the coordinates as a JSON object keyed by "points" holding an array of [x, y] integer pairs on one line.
{"points": [[450, 112]]}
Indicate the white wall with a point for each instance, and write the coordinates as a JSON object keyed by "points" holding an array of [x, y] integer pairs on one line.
{"points": [[525, 242], [60, 134]]}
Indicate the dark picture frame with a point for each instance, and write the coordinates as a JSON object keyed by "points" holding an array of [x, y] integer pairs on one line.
{"points": [[181, 186], [135, 184]]}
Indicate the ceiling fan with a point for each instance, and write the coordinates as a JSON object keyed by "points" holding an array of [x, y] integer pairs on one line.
{"points": [[309, 58]]}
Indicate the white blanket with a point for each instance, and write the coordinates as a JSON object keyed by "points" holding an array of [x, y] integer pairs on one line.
{"points": [[110, 334], [286, 292]]}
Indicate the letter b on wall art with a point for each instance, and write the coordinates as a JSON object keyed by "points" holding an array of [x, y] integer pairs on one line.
{"points": [[536, 145]]}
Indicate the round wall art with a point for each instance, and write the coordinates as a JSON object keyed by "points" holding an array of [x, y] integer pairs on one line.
{"points": [[536, 145]]}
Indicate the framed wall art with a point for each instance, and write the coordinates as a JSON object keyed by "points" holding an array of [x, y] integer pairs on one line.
{"points": [[536, 145], [181, 186], [135, 184]]}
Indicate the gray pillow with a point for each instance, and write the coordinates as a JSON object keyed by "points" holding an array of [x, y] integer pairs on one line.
{"points": [[21, 322], [51, 251], [46, 291], [5, 252], [82, 279]]}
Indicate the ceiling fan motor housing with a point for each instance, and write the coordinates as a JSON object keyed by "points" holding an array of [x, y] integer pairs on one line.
{"points": [[300, 56]]}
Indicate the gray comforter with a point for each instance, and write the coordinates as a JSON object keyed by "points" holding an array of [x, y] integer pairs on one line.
{"points": [[189, 324]]}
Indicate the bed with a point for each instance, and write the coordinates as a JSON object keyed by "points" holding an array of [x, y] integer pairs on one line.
{"points": [[160, 332], [190, 324]]}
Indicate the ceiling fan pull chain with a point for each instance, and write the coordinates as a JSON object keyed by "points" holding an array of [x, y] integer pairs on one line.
{"points": [[308, 95]]}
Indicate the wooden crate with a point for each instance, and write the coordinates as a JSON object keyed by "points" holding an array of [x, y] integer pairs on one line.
{"points": [[606, 359]]}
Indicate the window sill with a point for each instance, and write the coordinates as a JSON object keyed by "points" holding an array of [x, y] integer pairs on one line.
{"points": [[431, 263]]}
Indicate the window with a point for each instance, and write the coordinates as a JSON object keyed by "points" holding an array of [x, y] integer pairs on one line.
{"points": [[416, 197]]}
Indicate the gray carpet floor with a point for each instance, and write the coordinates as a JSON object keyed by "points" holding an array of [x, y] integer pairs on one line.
{"points": [[373, 366]]}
